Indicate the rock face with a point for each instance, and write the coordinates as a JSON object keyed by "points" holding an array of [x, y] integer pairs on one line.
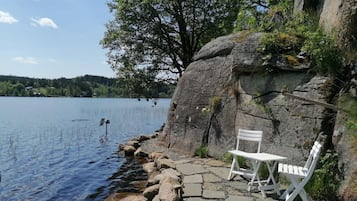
{"points": [[228, 86], [331, 15], [337, 17], [344, 141], [305, 5]]}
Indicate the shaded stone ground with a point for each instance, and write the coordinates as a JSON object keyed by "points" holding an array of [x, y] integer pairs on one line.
{"points": [[205, 179]]}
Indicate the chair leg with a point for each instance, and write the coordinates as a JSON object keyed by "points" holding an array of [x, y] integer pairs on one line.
{"points": [[298, 190], [287, 191], [232, 168], [303, 195]]}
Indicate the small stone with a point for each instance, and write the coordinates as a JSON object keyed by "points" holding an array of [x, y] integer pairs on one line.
{"points": [[167, 192], [144, 138], [151, 191], [149, 167], [125, 197], [165, 163], [157, 155], [134, 143], [155, 135], [152, 180], [156, 198], [129, 150], [139, 153], [140, 184], [121, 147], [172, 172]]}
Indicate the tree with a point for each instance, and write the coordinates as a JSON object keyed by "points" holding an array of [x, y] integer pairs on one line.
{"points": [[160, 37]]}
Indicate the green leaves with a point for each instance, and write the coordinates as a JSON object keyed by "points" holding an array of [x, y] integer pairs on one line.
{"points": [[324, 53], [290, 34], [161, 36], [326, 179]]}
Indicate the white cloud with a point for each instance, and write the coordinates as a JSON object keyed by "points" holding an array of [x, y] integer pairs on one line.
{"points": [[25, 60], [44, 22], [6, 18]]}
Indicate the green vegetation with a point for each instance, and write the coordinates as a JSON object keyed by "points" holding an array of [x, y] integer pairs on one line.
{"points": [[213, 107], [202, 152], [85, 86], [245, 163], [215, 103], [296, 39], [325, 181], [227, 157], [293, 37], [149, 39], [350, 106]]}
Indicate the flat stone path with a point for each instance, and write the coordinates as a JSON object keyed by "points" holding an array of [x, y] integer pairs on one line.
{"points": [[205, 179]]}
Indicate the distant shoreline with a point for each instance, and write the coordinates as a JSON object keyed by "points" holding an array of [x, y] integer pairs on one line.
{"points": [[84, 86]]}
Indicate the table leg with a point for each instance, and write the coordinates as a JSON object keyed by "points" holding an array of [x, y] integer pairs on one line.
{"points": [[256, 166], [274, 186]]}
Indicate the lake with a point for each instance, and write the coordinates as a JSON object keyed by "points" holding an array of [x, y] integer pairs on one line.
{"points": [[55, 149]]}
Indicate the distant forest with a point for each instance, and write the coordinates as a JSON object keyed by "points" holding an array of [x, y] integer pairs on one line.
{"points": [[84, 86]]}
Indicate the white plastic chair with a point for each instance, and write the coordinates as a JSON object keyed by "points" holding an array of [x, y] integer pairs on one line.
{"points": [[298, 175], [254, 136]]}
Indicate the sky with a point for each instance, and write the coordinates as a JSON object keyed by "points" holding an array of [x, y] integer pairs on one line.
{"points": [[53, 38]]}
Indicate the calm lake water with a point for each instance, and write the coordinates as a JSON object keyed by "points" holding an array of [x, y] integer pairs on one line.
{"points": [[54, 148]]}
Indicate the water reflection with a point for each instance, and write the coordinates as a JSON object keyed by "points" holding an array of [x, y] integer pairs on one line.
{"points": [[50, 149], [129, 178]]}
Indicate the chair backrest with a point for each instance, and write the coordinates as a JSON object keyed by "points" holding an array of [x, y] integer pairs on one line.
{"points": [[249, 135], [311, 162]]}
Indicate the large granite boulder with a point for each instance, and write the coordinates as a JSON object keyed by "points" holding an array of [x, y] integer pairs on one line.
{"points": [[344, 139], [229, 86]]}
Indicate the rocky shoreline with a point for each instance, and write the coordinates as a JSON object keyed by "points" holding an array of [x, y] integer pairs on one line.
{"points": [[164, 182], [175, 176]]}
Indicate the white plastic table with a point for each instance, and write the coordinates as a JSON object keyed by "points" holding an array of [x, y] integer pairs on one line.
{"points": [[259, 158]]}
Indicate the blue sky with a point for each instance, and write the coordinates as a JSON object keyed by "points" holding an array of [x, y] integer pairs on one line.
{"points": [[53, 38]]}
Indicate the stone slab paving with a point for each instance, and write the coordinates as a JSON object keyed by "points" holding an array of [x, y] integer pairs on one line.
{"points": [[213, 194], [238, 198], [192, 190], [209, 177], [206, 180], [195, 199], [193, 179], [190, 169]]}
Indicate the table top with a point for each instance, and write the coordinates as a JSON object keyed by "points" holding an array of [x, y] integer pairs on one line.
{"points": [[258, 156]]}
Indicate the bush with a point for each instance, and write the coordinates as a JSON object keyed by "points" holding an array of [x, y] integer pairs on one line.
{"points": [[215, 102], [325, 181], [202, 152], [291, 33], [227, 157], [301, 33], [324, 53]]}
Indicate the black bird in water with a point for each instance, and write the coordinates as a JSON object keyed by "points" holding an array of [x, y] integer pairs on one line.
{"points": [[101, 123]]}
